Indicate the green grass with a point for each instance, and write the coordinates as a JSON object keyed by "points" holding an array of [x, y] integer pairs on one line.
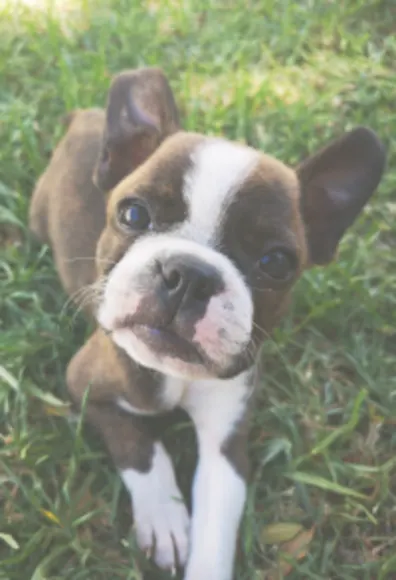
{"points": [[285, 76]]}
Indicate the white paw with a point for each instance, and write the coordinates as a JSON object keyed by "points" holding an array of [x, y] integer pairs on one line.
{"points": [[161, 518], [162, 531]]}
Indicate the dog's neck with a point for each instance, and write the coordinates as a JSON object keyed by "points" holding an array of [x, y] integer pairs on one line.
{"points": [[155, 393]]}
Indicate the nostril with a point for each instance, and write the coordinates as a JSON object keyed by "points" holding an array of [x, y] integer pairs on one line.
{"points": [[187, 280], [173, 279], [203, 289]]}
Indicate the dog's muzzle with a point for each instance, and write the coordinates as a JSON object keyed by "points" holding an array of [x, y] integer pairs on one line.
{"points": [[170, 300]]}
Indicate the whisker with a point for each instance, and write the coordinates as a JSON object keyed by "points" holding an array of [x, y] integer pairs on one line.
{"points": [[262, 290], [86, 295], [261, 329], [90, 259]]}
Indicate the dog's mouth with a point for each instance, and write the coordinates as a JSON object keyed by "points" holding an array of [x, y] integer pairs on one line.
{"points": [[163, 341]]}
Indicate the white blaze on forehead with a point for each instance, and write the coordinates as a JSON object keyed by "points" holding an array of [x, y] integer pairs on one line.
{"points": [[219, 168]]}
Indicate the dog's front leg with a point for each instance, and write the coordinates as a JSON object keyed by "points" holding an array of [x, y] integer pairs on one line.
{"points": [[160, 516], [218, 410], [218, 499]]}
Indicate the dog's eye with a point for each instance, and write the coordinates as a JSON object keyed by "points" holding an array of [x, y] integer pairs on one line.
{"points": [[277, 264], [134, 215]]}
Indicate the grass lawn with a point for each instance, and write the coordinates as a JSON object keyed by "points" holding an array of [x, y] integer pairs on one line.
{"points": [[285, 76]]}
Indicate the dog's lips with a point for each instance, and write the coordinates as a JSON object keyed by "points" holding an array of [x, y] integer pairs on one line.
{"points": [[162, 341]]}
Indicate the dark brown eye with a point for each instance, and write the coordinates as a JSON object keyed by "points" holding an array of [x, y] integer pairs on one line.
{"points": [[277, 264], [134, 215]]}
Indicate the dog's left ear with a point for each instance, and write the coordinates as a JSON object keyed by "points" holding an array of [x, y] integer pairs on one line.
{"points": [[141, 112], [335, 184]]}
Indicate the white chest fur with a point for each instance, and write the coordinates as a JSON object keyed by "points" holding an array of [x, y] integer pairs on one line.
{"points": [[216, 405]]}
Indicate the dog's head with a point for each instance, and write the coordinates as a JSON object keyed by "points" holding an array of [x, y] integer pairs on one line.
{"points": [[205, 240]]}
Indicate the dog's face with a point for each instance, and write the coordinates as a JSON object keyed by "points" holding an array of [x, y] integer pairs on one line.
{"points": [[206, 239]]}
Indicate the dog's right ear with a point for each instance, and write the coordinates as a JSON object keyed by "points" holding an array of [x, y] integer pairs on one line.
{"points": [[336, 184], [141, 113]]}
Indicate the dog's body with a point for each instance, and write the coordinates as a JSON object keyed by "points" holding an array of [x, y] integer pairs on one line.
{"points": [[70, 173], [202, 244]]}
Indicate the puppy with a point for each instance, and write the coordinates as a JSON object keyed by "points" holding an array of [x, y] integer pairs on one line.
{"points": [[202, 244]]}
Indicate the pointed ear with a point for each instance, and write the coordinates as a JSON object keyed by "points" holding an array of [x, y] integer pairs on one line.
{"points": [[141, 112], [336, 183]]}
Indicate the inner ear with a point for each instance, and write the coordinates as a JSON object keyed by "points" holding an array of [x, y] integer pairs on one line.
{"points": [[336, 184], [141, 112]]}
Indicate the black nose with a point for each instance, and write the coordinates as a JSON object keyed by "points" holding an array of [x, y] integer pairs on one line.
{"points": [[188, 283]]}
